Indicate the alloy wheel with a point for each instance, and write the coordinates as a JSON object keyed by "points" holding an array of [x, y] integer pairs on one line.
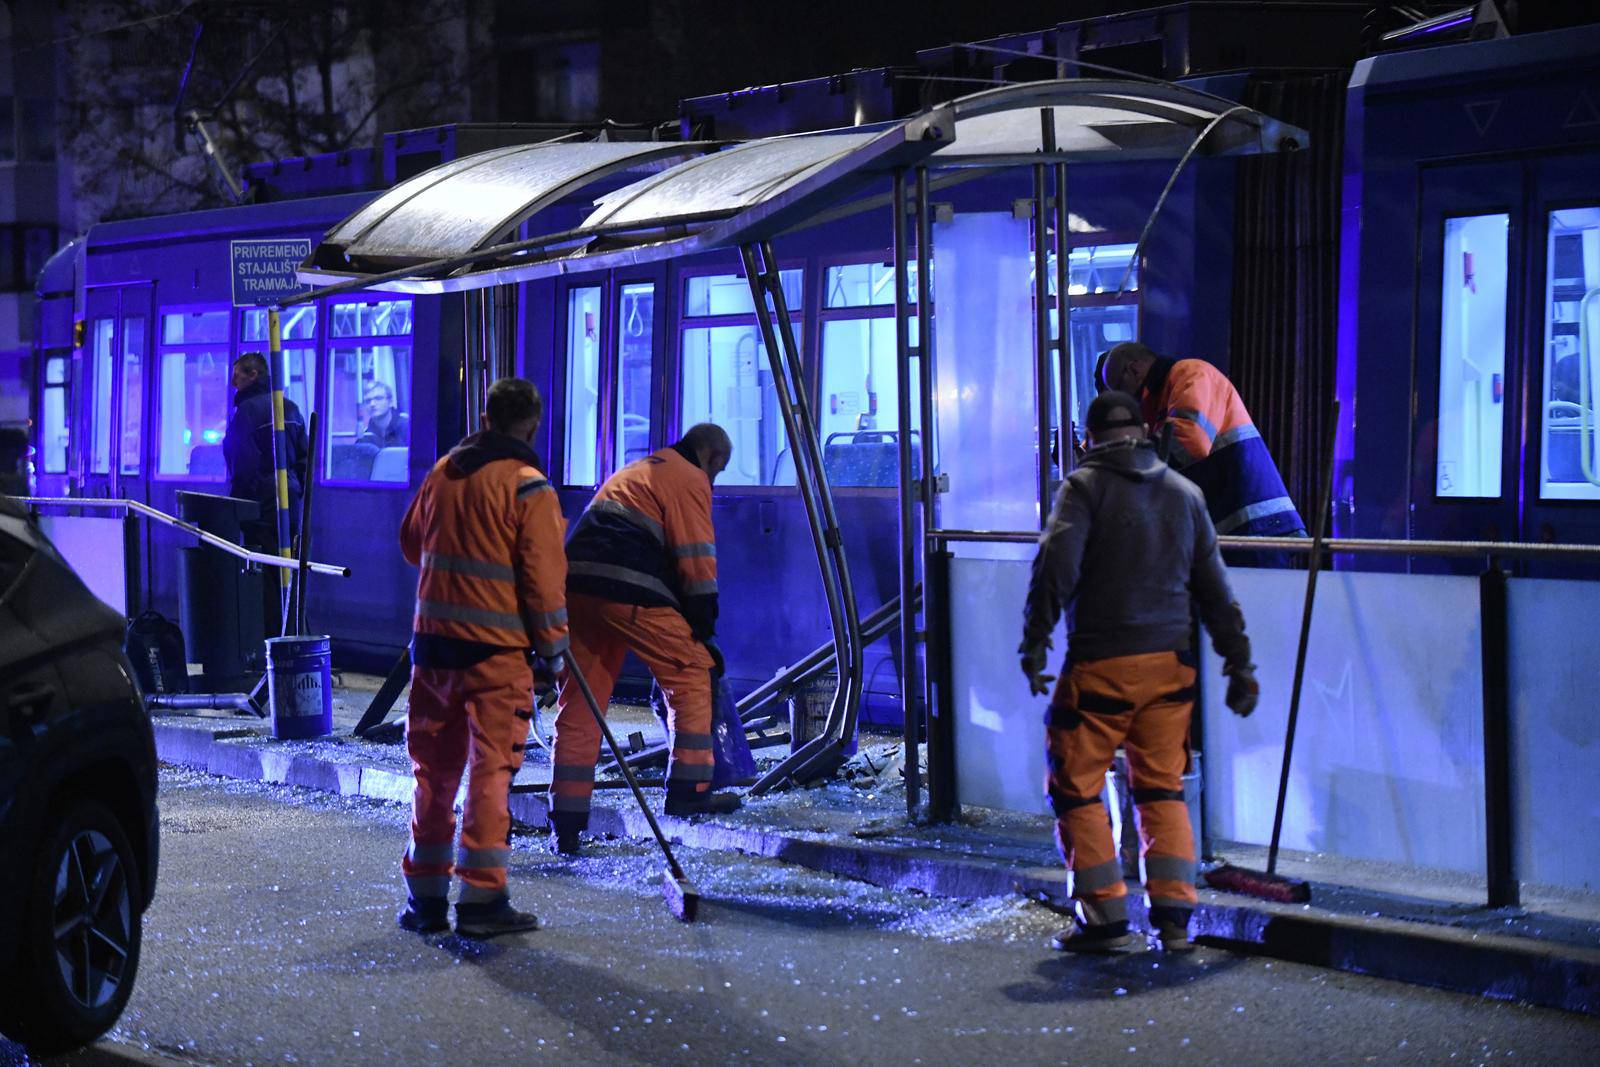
{"points": [[91, 920]]}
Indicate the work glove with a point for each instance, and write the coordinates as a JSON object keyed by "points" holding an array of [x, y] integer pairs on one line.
{"points": [[546, 671], [1034, 660], [719, 666], [1244, 692]]}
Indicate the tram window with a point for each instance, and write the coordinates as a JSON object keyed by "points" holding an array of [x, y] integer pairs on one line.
{"points": [[859, 415], [582, 411], [192, 393], [635, 343], [726, 380], [298, 323], [1472, 356], [194, 327], [379, 318], [53, 433], [1100, 318], [853, 285], [729, 294], [102, 333], [1095, 329], [132, 422], [1571, 467], [369, 422]]}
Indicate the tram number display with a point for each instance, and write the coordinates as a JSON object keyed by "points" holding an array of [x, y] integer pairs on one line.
{"points": [[264, 270]]}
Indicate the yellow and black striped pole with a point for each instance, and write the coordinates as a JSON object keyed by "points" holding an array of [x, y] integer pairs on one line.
{"points": [[280, 445]]}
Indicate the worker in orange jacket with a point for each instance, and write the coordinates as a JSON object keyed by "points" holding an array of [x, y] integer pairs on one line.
{"points": [[1129, 543], [486, 530], [642, 575], [1214, 442]]}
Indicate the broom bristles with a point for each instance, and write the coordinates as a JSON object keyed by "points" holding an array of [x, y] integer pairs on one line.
{"points": [[1259, 884]]}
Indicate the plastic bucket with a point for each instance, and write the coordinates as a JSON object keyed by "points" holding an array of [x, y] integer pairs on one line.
{"points": [[300, 686], [808, 712], [1119, 797]]}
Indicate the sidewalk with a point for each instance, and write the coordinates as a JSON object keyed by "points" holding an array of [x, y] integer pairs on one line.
{"points": [[856, 827]]}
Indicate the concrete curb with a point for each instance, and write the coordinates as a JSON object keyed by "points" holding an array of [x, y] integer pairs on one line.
{"points": [[1548, 975]]}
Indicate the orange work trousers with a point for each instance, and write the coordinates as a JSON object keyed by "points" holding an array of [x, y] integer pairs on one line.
{"points": [[602, 632], [1141, 703], [473, 719]]}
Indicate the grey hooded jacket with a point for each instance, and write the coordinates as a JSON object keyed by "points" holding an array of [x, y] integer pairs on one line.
{"points": [[1130, 541]]}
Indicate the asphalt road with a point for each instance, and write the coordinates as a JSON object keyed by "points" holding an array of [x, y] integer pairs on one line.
{"points": [[272, 940]]}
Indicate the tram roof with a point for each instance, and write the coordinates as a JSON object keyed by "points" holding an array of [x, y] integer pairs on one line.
{"points": [[757, 189]]}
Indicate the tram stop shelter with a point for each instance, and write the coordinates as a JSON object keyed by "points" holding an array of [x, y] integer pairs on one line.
{"points": [[451, 230]]}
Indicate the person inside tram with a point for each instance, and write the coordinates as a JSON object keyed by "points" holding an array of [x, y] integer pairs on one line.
{"points": [[247, 450], [1213, 441], [386, 426]]}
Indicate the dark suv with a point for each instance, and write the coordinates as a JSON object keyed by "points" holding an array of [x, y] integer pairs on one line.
{"points": [[78, 838]]}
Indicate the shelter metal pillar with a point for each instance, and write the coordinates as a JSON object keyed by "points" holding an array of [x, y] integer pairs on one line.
{"points": [[911, 726], [824, 753], [943, 801], [1041, 321], [1065, 438]]}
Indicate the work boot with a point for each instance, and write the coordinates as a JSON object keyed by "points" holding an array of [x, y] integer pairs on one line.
{"points": [[1108, 939], [430, 915], [1170, 928], [564, 842], [684, 803], [491, 918]]}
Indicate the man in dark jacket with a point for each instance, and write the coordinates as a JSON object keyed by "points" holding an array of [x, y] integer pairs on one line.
{"points": [[247, 447], [1130, 543]]}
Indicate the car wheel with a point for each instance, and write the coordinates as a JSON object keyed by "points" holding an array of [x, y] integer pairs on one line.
{"points": [[81, 930]]}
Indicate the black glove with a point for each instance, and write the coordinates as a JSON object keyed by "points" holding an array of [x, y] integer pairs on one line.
{"points": [[719, 666], [546, 672], [1035, 658], [1244, 692]]}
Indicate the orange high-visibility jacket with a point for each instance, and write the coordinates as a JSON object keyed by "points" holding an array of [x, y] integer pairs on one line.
{"points": [[1216, 445], [487, 530], [646, 538]]}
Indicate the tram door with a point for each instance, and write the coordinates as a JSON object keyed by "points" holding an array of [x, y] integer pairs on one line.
{"points": [[113, 406], [1506, 401]]}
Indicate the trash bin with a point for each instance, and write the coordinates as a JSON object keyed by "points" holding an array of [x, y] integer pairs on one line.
{"points": [[220, 600]]}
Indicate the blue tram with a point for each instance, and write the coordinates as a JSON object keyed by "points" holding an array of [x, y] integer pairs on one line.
{"points": [[133, 391]]}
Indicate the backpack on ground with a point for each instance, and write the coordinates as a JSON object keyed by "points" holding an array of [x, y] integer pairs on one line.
{"points": [[154, 645]]}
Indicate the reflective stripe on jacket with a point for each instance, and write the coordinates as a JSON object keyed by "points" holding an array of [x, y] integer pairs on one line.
{"points": [[487, 536], [646, 538], [1217, 447]]}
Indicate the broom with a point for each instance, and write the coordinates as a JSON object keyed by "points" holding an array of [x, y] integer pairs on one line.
{"points": [[1269, 884], [679, 892]]}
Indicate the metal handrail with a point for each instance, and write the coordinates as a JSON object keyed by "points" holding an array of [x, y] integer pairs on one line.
{"points": [[265, 559], [1338, 545]]}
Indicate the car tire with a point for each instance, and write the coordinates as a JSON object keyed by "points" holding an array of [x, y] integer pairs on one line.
{"points": [[81, 930]]}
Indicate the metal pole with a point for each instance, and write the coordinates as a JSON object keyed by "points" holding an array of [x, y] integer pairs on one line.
{"points": [[942, 797], [754, 275], [1069, 380], [910, 732], [848, 704], [1499, 854], [280, 452], [1041, 327]]}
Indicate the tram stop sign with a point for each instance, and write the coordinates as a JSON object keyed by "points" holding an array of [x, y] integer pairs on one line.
{"points": [[263, 271]]}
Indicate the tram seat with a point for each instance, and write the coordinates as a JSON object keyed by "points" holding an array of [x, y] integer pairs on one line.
{"points": [[868, 458], [392, 465], [207, 461], [352, 462]]}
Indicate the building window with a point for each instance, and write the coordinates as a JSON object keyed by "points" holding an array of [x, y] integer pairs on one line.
{"points": [[102, 336], [132, 421], [635, 348], [1472, 355], [858, 415], [297, 328], [192, 393], [582, 440], [727, 379], [369, 392], [1571, 467], [53, 404]]}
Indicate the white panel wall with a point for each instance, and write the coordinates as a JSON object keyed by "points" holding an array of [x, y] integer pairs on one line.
{"points": [[1388, 759], [94, 548], [1555, 731]]}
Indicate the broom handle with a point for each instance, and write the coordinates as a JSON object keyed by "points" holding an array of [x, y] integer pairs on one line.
{"points": [[616, 754], [1324, 502]]}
